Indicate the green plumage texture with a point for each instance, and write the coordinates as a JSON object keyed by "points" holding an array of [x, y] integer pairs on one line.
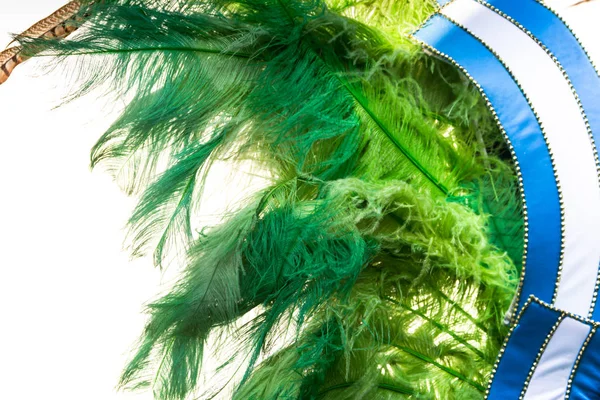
{"points": [[379, 260]]}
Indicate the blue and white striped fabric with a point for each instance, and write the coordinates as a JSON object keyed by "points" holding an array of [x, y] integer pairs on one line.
{"points": [[545, 93]]}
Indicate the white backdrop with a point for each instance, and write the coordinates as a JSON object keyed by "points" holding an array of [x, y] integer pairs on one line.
{"points": [[70, 298]]}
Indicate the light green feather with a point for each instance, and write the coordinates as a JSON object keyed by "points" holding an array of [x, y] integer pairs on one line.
{"points": [[373, 240]]}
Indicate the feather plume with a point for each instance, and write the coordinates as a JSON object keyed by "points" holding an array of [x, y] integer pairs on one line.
{"points": [[9, 59], [380, 241], [58, 25]]}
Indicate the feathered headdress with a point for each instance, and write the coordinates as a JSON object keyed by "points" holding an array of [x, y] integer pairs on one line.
{"points": [[381, 254]]}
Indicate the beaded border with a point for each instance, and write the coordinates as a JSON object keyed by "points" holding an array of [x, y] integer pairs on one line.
{"points": [[511, 148], [515, 323], [585, 119], [513, 310], [579, 318], [561, 19], [563, 314], [549, 336], [595, 153], [516, 313], [519, 293], [577, 361]]}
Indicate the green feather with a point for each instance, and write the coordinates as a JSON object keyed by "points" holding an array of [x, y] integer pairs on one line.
{"points": [[394, 318], [380, 242]]}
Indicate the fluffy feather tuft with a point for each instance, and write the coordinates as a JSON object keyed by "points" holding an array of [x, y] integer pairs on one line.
{"points": [[380, 241]]}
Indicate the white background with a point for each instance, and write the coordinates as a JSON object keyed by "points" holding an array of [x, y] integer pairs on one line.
{"points": [[70, 298]]}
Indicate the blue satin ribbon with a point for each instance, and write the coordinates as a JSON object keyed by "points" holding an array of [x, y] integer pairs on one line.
{"points": [[586, 381], [556, 36], [541, 195], [523, 131], [524, 344]]}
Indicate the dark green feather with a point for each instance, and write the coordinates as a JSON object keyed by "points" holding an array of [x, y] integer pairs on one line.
{"points": [[372, 245]]}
